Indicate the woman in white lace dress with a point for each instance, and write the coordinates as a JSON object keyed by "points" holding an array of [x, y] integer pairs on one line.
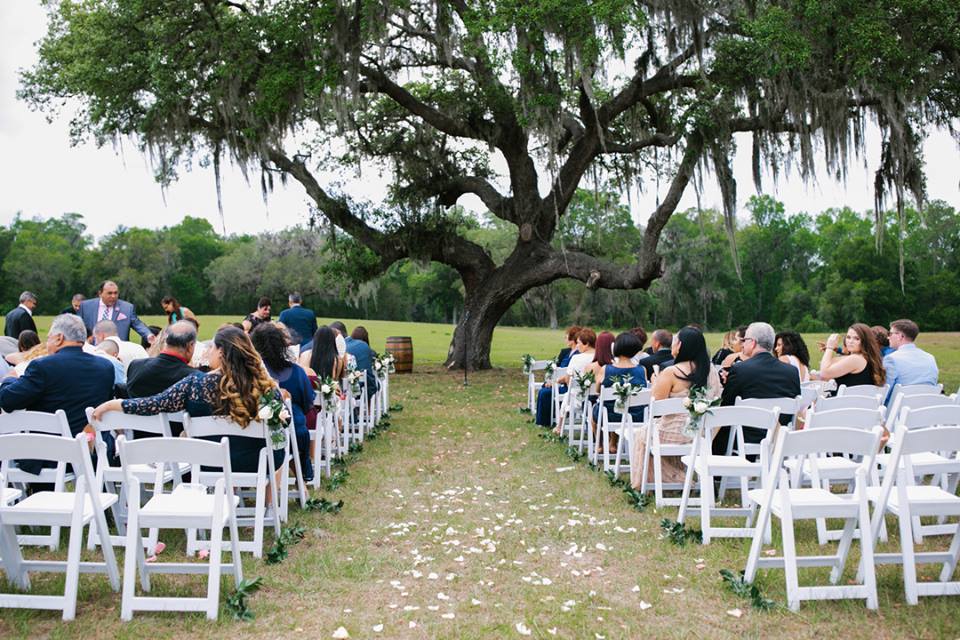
{"points": [[691, 368]]}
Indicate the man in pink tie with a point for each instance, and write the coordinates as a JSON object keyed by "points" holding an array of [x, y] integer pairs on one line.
{"points": [[108, 306]]}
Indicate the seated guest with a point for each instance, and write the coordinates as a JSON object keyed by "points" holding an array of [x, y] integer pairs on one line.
{"points": [[128, 351], [67, 379], [861, 365], [271, 343], [883, 340], [21, 318], [620, 366], [27, 341], [358, 345], [736, 344], [254, 318], [726, 348], [545, 394], [232, 389], [323, 359], [642, 336], [791, 349], [109, 350], [691, 369], [32, 354], [155, 332], [908, 364], [586, 347], [661, 356], [150, 376], [602, 354], [175, 312], [758, 375]]}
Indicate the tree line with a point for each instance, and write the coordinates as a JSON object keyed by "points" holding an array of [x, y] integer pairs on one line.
{"points": [[811, 272]]}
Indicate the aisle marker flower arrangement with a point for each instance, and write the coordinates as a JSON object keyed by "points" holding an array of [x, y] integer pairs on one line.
{"points": [[548, 371], [623, 390], [528, 361], [274, 414], [353, 378], [585, 379], [698, 403], [327, 389]]}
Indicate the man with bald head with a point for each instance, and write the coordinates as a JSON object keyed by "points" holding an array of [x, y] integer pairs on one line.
{"points": [[108, 306]]}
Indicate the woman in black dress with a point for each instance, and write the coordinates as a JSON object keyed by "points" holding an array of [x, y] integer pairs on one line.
{"points": [[861, 363]]}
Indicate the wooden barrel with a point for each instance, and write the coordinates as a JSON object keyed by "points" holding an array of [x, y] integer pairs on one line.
{"points": [[402, 349]]}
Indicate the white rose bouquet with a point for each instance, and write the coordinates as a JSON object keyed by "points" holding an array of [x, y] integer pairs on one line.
{"points": [[327, 389], [623, 390], [353, 379], [273, 412], [548, 371], [585, 379], [698, 404]]}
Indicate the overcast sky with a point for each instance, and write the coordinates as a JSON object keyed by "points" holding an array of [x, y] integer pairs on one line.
{"points": [[42, 175]]}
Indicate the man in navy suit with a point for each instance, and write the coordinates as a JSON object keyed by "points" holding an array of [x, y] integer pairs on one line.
{"points": [[108, 306], [67, 379], [21, 318], [301, 322], [760, 375]]}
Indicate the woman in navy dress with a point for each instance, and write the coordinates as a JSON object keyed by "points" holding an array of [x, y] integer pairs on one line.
{"points": [[625, 347], [270, 341], [545, 395], [231, 389]]}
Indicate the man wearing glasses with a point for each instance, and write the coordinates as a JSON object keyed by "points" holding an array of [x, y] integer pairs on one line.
{"points": [[908, 364]]}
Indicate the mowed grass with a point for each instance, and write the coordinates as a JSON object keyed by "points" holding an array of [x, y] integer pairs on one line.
{"points": [[431, 342], [461, 522]]}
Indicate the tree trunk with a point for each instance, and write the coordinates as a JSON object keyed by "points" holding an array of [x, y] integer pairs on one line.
{"points": [[482, 310]]}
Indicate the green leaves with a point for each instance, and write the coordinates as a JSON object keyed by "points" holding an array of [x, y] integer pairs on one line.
{"points": [[324, 506], [679, 534], [289, 536], [237, 601], [751, 592]]}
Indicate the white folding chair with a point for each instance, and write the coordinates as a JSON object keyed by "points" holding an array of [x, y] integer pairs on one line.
{"points": [[863, 390], [707, 466], [849, 402], [112, 478], [655, 449], [557, 397], [75, 509], [39, 422], [576, 410], [187, 506], [914, 400], [835, 468], [296, 480], [940, 468], [778, 498], [534, 385], [903, 497], [623, 428], [325, 441], [261, 480]]}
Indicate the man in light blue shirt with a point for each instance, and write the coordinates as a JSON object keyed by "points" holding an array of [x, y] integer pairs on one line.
{"points": [[908, 364]]}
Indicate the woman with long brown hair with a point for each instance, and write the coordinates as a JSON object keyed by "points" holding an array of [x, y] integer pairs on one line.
{"points": [[861, 363], [175, 312], [232, 389]]}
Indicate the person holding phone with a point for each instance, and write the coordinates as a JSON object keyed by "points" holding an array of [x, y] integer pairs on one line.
{"points": [[861, 365]]}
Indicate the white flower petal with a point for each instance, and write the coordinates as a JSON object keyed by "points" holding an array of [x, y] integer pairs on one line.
{"points": [[340, 634], [736, 613], [644, 605], [522, 629], [377, 628]]}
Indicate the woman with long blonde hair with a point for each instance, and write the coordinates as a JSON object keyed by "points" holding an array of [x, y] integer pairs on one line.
{"points": [[231, 389]]}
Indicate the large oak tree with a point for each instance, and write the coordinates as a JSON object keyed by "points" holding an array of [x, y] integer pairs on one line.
{"points": [[518, 102]]}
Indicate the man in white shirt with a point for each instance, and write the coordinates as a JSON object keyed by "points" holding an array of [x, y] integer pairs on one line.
{"points": [[127, 351]]}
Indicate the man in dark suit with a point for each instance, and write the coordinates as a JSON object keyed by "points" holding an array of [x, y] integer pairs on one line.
{"points": [[21, 318], [108, 306], [150, 376], [759, 375], [301, 322], [75, 301], [661, 356], [67, 379]]}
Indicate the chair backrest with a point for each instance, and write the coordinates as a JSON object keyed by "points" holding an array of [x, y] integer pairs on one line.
{"points": [[936, 416], [539, 365], [917, 389], [121, 422], [666, 407], [808, 442], [915, 401], [789, 406], [42, 446], [36, 421], [174, 450], [863, 390], [864, 419], [849, 402], [809, 395], [743, 416], [221, 426]]}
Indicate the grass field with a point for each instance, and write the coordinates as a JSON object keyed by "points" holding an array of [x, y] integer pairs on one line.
{"points": [[461, 522], [431, 341]]}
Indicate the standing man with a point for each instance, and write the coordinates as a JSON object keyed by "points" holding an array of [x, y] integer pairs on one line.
{"points": [[108, 306], [261, 315], [301, 322], [908, 364], [74, 307], [21, 318]]}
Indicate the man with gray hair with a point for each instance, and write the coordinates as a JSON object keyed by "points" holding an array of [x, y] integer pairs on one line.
{"points": [[67, 379], [21, 318], [759, 375]]}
